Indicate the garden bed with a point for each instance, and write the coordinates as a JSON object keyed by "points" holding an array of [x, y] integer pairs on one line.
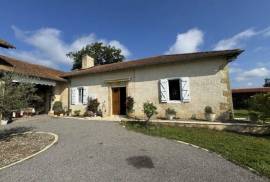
{"points": [[17, 146]]}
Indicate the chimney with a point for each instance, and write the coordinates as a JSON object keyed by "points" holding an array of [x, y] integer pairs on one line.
{"points": [[87, 62]]}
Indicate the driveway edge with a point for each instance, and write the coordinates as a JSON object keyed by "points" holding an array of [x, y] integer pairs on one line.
{"points": [[33, 155], [201, 148]]}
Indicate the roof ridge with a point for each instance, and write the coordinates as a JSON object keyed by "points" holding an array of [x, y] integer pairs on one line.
{"points": [[159, 56], [230, 54]]}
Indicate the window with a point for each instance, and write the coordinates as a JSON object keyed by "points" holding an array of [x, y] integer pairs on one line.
{"points": [[174, 89], [81, 90]]}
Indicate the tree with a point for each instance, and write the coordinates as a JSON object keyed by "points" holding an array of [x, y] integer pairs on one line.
{"points": [[15, 96], [261, 104], [267, 82], [149, 110], [102, 54]]}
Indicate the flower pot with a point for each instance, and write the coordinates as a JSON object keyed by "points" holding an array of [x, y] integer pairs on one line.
{"points": [[4, 122], [210, 116], [170, 117]]}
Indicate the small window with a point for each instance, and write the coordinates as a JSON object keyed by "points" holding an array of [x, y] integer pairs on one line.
{"points": [[81, 90], [174, 89]]}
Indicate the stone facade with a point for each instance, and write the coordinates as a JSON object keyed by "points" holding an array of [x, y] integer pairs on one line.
{"points": [[209, 86]]}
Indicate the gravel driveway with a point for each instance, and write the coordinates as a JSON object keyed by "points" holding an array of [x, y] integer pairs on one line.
{"points": [[105, 151]]}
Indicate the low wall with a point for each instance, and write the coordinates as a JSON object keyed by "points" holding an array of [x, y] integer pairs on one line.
{"points": [[235, 127]]}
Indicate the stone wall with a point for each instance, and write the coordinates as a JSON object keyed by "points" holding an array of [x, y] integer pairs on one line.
{"points": [[209, 85]]}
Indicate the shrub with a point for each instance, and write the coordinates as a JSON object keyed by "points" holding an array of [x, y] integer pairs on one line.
{"points": [[261, 104], [58, 108], [208, 110], [77, 113], [129, 104], [149, 110], [253, 116], [92, 105], [170, 111]]}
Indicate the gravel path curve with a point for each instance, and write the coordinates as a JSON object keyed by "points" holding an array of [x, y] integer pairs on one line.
{"points": [[104, 151]]}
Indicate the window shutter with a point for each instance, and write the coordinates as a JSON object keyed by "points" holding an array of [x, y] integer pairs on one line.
{"points": [[74, 95], [85, 95], [164, 90], [185, 89]]}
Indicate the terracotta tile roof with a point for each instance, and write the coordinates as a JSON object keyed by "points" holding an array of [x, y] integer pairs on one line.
{"points": [[251, 90], [5, 44], [23, 67], [229, 54]]}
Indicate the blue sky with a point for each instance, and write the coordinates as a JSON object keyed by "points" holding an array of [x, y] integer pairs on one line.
{"points": [[44, 31]]}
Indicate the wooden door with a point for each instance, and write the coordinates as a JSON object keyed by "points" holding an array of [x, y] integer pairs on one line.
{"points": [[116, 101]]}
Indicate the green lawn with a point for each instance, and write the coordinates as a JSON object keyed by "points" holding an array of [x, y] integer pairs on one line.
{"points": [[241, 113], [245, 150]]}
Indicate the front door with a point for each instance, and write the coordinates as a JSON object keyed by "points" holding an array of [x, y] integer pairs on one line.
{"points": [[116, 101], [119, 101]]}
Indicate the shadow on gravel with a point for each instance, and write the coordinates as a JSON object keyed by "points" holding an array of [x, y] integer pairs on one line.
{"points": [[7, 134], [140, 162]]}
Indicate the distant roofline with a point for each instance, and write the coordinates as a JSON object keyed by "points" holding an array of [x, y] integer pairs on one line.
{"points": [[53, 74], [251, 90]]}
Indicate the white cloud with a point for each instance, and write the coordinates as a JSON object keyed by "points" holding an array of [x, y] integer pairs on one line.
{"points": [[249, 84], [261, 72], [187, 42], [49, 49], [235, 41], [234, 70]]}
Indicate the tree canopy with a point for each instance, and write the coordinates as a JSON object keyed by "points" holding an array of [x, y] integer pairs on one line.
{"points": [[102, 54], [15, 96]]}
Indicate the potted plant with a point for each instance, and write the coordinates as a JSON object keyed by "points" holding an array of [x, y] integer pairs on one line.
{"points": [[92, 107], [77, 113], [129, 105], [6, 117], [58, 108], [209, 114], [170, 113]]}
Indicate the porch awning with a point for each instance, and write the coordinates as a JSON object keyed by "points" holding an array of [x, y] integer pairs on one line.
{"points": [[35, 80]]}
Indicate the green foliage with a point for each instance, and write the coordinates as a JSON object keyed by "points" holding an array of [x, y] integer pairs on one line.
{"points": [[102, 54], [241, 113], [129, 104], [92, 105], [15, 96], [253, 116], [208, 110], [170, 111], [58, 108], [149, 110], [261, 104], [267, 82], [77, 113], [245, 150]]}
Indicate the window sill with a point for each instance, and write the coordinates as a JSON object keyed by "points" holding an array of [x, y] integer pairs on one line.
{"points": [[174, 102]]}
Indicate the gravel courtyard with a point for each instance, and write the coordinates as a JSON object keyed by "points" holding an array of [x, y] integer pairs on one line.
{"points": [[105, 151]]}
